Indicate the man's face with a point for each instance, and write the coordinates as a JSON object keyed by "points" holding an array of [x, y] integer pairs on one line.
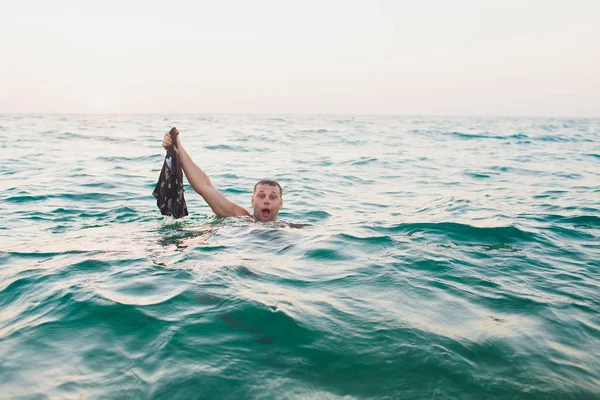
{"points": [[266, 202]]}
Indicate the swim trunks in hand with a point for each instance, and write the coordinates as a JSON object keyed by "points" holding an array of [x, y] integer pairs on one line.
{"points": [[169, 188]]}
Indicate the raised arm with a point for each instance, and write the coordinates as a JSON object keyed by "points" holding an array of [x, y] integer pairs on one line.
{"points": [[201, 183]]}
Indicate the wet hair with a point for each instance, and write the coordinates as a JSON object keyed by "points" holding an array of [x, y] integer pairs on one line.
{"points": [[269, 182]]}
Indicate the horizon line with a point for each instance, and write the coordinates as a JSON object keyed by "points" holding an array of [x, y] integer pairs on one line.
{"points": [[96, 113]]}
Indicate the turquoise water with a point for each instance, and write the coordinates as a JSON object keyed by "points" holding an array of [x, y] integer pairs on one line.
{"points": [[446, 258]]}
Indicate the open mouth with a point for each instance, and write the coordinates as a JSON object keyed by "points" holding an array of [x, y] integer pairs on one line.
{"points": [[265, 213]]}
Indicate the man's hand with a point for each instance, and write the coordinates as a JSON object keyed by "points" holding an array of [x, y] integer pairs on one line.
{"points": [[167, 141]]}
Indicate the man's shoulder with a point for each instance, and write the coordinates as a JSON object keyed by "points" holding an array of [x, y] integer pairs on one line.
{"points": [[238, 211]]}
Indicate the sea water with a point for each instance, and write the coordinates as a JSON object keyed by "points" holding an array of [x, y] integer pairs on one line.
{"points": [[434, 257]]}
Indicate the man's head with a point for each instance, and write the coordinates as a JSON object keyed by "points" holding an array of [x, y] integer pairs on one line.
{"points": [[267, 200]]}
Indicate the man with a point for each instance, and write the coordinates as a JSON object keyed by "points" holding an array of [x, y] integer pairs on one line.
{"points": [[267, 197]]}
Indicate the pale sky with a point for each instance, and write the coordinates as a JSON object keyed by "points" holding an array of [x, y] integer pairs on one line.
{"points": [[431, 57]]}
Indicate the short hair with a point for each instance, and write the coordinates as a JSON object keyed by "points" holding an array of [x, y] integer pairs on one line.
{"points": [[269, 182]]}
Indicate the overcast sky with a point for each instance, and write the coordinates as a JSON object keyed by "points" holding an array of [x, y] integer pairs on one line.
{"points": [[460, 57]]}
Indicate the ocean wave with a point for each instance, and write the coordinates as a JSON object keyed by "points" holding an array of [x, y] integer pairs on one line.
{"points": [[486, 135], [581, 221], [313, 215], [480, 175], [26, 198], [227, 147], [322, 130], [461, 232], [116, 214], [363, 161], [376, 242], [125, 160], [326, 254], [85, 197]]}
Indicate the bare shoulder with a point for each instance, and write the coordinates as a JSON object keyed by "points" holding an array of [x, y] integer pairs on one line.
{"points": [[238, 211]]}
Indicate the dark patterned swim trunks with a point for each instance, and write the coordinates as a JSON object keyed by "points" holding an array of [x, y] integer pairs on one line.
{"points": [[169, 188]]}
